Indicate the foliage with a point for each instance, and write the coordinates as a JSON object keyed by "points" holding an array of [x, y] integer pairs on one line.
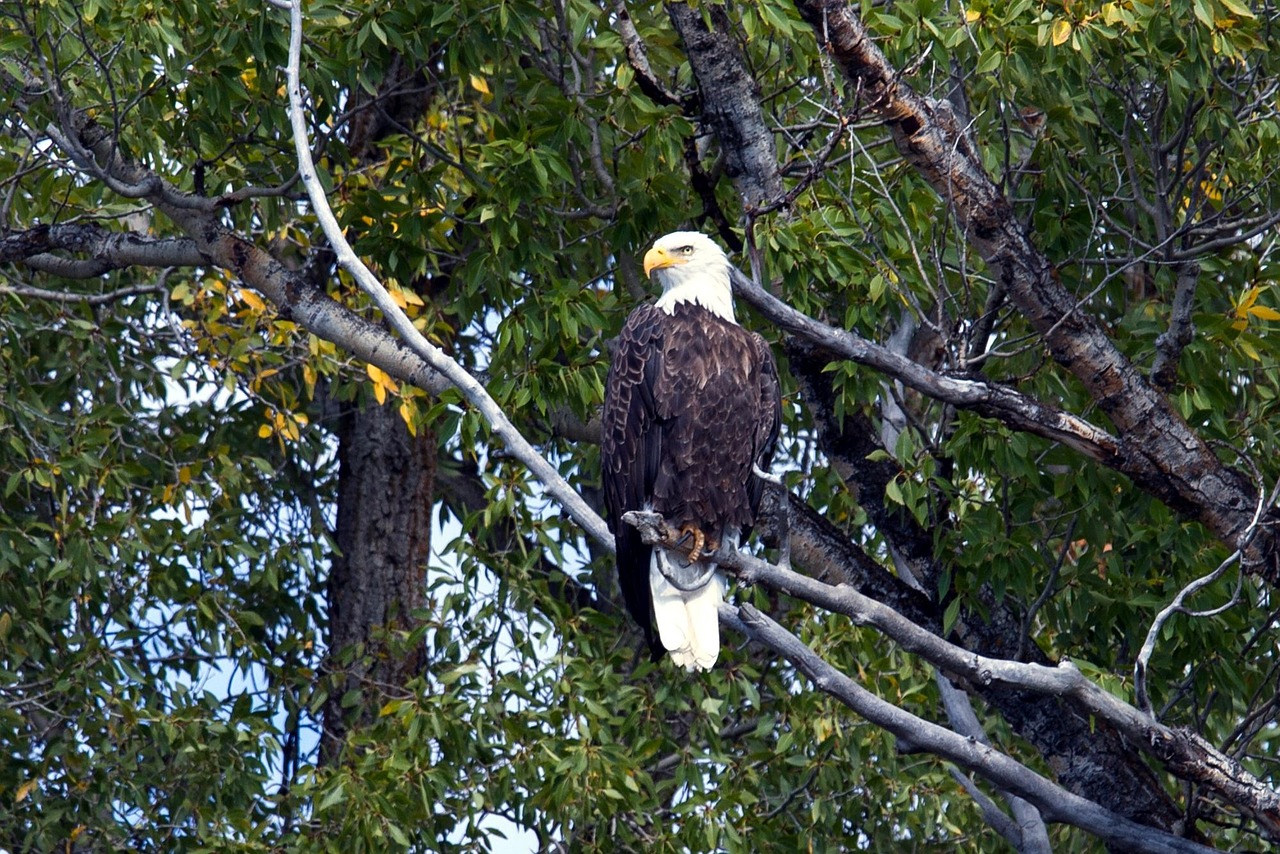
{"points": [[168, 474]]}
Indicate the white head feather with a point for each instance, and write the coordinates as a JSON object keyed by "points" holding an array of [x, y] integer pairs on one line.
{"points": [[691, 267]]}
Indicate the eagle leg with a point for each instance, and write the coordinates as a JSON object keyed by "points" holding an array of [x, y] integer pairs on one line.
{"points": [[676, 579]]}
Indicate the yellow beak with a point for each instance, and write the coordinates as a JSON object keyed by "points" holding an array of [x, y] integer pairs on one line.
{"points": [[657, 258]]}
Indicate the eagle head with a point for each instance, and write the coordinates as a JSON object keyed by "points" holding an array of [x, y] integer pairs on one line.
{"points": [[691, 267]]}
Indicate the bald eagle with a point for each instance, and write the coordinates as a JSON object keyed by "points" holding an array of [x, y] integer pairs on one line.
{"points": [[692, 404]]}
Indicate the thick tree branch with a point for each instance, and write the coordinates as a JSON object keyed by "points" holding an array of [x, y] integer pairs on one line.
{"points": [[106, 250], [730, 102]]}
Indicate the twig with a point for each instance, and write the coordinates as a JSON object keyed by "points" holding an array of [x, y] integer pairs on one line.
{"points": [[1026, 832], [84, 299]]}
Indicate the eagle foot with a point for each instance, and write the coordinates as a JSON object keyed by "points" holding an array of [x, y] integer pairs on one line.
{"points": [[702, 545]]}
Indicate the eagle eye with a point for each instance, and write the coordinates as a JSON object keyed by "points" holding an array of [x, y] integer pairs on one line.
{"points": [[685, 250]]}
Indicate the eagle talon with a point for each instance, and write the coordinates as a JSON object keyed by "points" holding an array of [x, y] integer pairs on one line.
{"points": [[699, 541]]}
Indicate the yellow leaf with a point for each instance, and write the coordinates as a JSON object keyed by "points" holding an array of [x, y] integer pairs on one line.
{"points": [[309, 379], [255, 302], [1061, 31], [264, 431], [480, 84], [375, 373], [1261, 311], [380, 393], [411, 298], [397, 298], [971, 15], [23, 791], [1247, 299], [406, 412]]}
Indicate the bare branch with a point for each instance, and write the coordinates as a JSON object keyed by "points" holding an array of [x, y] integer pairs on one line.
{"points": [[84, 299], [991, 812], [1182, 752], [985, 398], [1054, 802], [1143, 660], [1026, 832]]}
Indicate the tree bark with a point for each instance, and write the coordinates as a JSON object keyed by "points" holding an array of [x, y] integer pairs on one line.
{"points": [[730, 102]]}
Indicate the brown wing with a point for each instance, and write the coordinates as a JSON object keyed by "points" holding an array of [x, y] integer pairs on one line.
{"points": [[630, 446]]}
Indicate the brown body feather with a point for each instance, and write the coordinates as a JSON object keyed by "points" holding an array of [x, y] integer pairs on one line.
{"points": [[691, 403]]}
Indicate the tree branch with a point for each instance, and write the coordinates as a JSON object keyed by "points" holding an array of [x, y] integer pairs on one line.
{"points": [[107, 250], [1171, 343], [457, 376], [1054, 802], [730, 102], [1182, 752], [84, 299], [989, 399], [1026, 832], [638, 59]]}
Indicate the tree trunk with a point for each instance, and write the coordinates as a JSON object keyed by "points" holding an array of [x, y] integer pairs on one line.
{"points": [[378, 578]]}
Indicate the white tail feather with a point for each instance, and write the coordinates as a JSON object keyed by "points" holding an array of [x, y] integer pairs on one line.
{"points": [[688, 621]]}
